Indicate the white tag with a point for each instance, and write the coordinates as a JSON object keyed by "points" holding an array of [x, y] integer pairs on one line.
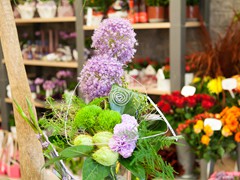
{"points": [[229, 84], [188, 90], [215, 124]]}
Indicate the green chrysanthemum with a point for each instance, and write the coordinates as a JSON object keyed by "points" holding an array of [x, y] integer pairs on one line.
{"points": [[87, 116]]}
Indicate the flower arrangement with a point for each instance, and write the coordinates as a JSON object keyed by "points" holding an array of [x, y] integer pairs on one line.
{"points": [[230, 117], [178, 108], [204, 134], [114, 125]]}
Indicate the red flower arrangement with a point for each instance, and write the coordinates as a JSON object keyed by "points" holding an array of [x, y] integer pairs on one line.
{"points": [[178, 108]]}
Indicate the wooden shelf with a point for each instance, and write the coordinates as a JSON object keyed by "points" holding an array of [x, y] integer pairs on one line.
{"points": [[37, 103], [151, 90], [162, 25], [45, 20], [72, 64]]}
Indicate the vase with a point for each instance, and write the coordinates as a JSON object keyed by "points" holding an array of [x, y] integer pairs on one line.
{"points": [[47, 9], [188, 78], [192, 12], [238, 156], [206, 169], [186, 158], [155, 14], [26, 10]]}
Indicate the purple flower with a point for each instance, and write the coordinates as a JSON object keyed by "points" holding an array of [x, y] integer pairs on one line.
{"points": [[38, 81], [115, 37], [48, 85], [125, 136], [64, 74], [98, 76]]}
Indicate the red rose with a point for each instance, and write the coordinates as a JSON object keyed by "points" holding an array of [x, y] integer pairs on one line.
{"points": [[207, 104], [191, 101], [166, 97], [179, 102], [165, 107], [176, 93]]}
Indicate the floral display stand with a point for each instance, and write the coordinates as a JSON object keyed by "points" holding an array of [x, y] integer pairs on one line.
{"points": [[31, 157]]}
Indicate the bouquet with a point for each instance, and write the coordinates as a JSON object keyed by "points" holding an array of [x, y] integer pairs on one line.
{"points": [[206, 136], [178, 108], [112, 125]]}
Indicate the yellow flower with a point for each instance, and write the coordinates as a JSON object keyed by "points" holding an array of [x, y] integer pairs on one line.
{"points": [[197, 129], [206, 78], [196, 80], [215, 85], [208, 130], [205, 140], [226, 131], [200, 123]]}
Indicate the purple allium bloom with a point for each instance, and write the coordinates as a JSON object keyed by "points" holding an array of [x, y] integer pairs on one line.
{"points": [[48, 85], [38, 81], [98, 76], [60, 83], [45, 144], [115, 37], [63, 74], [125, 136]]}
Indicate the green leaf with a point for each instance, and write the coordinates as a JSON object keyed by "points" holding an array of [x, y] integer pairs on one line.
{"points": [[94, 171], [76, 151], [52, 160], [188, 116], [136, 169], [32, 115], [221, 151], [24, 116]]}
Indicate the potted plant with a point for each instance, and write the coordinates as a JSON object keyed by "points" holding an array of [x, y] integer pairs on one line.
{"points": [[47, 9], [192, 9], [156, 10]]}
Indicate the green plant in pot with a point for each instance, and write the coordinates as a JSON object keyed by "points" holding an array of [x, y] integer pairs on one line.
{"points": [[156, 10], [192, 9]]}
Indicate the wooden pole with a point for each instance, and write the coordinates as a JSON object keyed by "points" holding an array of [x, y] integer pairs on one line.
{"points": [[31, 157]]}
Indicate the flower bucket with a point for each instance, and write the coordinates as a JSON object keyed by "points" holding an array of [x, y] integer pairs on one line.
{"points": [[238, 156], [206, 169], [155, 14], [186, 159]]}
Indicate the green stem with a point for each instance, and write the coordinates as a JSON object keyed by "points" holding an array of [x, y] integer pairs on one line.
{"points": [[112, 173]]}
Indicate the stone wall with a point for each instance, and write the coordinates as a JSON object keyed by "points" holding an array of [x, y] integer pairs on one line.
{"points": [[221, 13]]}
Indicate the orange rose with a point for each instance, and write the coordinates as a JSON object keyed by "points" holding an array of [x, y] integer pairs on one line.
{"points": [[232, 123], [226, 131], [208, 130], [237, 137], [205, 140]]}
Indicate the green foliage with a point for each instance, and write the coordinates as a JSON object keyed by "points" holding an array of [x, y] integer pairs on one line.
{"points": [[107, 120], [192, 2], [99, 5], [86, 117], [93, 170], [157, 2], [101, 102]]}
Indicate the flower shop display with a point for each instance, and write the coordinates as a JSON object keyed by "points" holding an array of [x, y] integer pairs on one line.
{"points": [[111, 126], [55, 86], [178, 108], [65, 9]]}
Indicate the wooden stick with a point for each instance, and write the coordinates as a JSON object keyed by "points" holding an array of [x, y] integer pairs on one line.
{"points": [[31, 157]]}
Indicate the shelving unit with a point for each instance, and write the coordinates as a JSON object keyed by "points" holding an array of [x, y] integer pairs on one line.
{"points": [[175, 24]]}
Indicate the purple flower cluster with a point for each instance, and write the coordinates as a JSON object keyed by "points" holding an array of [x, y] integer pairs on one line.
{"points": [[64, 74], [115, 37], [48, 85], [38, 81], [125, 136], [98, 76]]}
